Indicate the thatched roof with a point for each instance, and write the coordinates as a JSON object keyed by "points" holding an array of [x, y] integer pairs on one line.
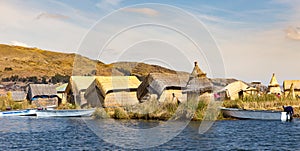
{"points": [[287, 84], [197, 72], [79, 83], [110, 83], [62, 88], [273, 82], [18, 95], [35, 90], [156, 83], [196, 84]]}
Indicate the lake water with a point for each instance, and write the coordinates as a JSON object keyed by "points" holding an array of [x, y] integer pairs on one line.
{"points": [[31, 133]]}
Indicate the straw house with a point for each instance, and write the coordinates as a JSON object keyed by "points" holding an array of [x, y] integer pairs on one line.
{"points": [[233, 90], [76, 88], [43, 95], [61, 92], [292, 88], [163, 86], [274, 87], [198, 84], [112, 91], [249, 91]]}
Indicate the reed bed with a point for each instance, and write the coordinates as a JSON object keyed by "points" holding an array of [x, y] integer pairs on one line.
{"points": [[264, 102]]}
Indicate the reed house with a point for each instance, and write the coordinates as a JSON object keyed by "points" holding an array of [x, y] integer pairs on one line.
{"points": [[76, 88], [274, 87], [198, 84], [43, 95], [163, 87], [291, 88], [112, 91]]}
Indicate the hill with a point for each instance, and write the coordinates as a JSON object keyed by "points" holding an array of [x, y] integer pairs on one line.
{"points": [[28, 62]]}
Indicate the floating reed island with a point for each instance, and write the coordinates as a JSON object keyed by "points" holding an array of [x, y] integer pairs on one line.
{"points": [[157, 96]]}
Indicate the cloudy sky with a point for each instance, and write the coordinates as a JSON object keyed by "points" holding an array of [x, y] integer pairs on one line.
{"points": [[249, 39]]}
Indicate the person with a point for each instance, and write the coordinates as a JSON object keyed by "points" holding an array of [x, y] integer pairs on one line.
{"points": [[175, 99], [289, 111]]}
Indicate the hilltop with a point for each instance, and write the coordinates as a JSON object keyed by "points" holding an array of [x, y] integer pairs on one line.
{"points": [[28, 62]]}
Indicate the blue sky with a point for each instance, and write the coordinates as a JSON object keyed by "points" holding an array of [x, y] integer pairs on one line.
{"points": [[255, 38]]}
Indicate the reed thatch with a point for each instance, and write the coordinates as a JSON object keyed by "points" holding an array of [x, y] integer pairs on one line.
{"points": [[199, 85], [41, 90], [114, 83], [233, 89], [156, 83], [79, 83], [274, 86], [287, 84], [291, 88], [18, 95], [112, 91], [197, 72], [76, 88]]}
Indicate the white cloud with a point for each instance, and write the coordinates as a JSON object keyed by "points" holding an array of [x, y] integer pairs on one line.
{"points": [[145, 11]]}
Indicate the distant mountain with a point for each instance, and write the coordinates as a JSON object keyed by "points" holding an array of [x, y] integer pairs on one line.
{"points": [[27, 62]]}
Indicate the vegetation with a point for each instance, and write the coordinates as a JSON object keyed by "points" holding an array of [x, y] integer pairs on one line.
{"points": [[56, 67], [7, 102], [264, 102]]}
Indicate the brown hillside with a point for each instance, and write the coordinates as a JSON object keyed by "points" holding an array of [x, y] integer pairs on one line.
{"points": [[27, 62]]}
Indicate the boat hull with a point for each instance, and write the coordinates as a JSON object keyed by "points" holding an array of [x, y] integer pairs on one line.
{"points": [[252, 114], [19, 113], [64, 113]]}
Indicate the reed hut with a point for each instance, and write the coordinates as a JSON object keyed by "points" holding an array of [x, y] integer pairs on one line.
{"points": [[43, 95], [233, 90], [291, 88], [274, 87], [112, 91], [76, 88], [198, 84], [249, 91], [163, 86]]}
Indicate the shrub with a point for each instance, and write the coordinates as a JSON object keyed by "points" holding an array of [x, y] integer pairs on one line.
{"points": [[100, 113]]}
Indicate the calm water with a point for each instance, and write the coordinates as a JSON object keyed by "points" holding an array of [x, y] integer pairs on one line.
{"points": [[30, 133]]}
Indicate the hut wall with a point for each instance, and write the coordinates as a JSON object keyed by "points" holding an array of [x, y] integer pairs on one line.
{"points": [[63, 97], [297, 93], [167, 95], [275, 90], [234, 88], [120, 98], [44, 102]]}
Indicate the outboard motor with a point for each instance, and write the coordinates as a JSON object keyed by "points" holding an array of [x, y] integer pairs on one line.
{"points": [[287, 114]]}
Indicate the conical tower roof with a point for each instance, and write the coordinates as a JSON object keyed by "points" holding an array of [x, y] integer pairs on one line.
{"points": [[273, 81], [197, 72]]}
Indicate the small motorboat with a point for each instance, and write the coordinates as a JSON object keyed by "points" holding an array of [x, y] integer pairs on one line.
{"points": [[254, 114], [28, 112], [65, 113]]}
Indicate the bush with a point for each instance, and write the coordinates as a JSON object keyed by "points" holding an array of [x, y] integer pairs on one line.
{"points": [[100, 113]]}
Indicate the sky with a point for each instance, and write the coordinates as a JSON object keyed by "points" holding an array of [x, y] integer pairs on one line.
{"points": [[243, 39]]}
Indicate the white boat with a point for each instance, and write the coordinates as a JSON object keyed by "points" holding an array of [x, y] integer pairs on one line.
{"points": [[28, 112], [64, 113], [252, 114]]}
